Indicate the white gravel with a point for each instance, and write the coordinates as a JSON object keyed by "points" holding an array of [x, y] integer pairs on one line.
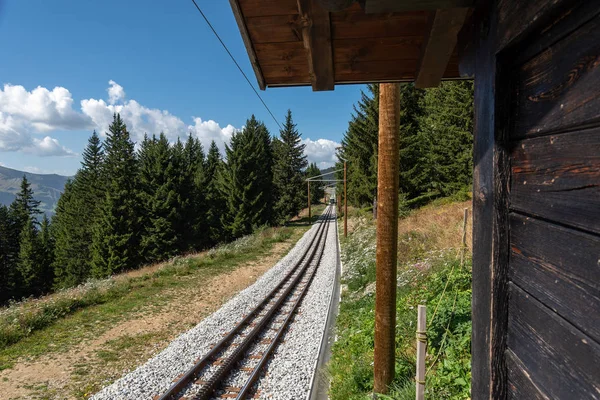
{"points": [[290, 372], [288, 375]]}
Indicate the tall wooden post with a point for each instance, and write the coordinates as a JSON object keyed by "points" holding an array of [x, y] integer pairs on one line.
{"points": [[387, 235], [309, 214], [345, 204]]}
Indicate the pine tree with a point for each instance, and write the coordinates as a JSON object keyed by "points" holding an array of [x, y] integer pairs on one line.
{"points": [[288, 178], [215, 203], [29, 261], [359, 148], [159, 197], [245, 180], [115, 245], [76, 217], [46, 249], [25, 207], [192, 182], [447, 127], [317, 191], [7, 256]]}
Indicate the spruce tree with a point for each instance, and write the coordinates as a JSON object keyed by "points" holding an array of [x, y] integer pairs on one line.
{"points": [[115, 245], [447, 127], [7, 256], [317, 191], [76, 217], [192, 184], [25, 207], [288, 166], [29, 263], [71, 248], [215, 204], [245, 180], [359, 148], [46, 249], [159, 197]]}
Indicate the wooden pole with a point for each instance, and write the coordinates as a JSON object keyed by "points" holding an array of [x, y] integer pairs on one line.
{"points": [[464, 238], [387, 235], [345, 204], [309, 214], [421, 351]]}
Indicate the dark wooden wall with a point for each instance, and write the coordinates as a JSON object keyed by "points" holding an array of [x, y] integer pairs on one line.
{"points": [[536, 274]]}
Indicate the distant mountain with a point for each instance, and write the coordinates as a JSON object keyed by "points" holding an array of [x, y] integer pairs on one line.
{"points": [[46, 188], [329, 173]]}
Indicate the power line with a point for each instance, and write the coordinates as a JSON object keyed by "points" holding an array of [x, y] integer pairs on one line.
{"points": [[236, 63]]}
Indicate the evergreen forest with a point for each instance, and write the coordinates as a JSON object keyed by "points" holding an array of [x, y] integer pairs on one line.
{"points": [[129, 206], [132, 204]]}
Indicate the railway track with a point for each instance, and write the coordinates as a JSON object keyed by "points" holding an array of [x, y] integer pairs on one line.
{"points": [[232, 367]]}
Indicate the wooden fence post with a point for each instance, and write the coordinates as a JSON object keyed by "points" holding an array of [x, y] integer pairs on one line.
{"points": [[421, 351], [464, 238]]}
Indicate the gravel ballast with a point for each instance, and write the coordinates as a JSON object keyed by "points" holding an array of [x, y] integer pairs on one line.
{"points": [[288, 375]]}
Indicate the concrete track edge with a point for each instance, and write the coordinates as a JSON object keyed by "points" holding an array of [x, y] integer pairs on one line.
{"points": [[320, 382]]}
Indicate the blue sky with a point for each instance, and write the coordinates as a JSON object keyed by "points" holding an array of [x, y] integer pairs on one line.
{"points": [[67, 65]]}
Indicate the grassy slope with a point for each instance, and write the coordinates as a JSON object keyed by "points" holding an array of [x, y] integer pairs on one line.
{"points": [[58, 321], [428, 258]]}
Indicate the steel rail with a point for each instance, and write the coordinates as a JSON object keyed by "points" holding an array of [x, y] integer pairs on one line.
{"points": [[191, 374], [257, 371], [208, 389]]}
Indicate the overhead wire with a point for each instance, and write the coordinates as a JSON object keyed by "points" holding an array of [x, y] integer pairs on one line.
{"points": [[236, 63]]}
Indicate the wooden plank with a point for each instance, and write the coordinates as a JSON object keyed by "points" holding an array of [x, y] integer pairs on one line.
{"points": [[574, 14], [379, 49], [274, 29], [439, 46], [289, 73], [520, 385], [557, 177], [384, 70], [559, 267], [284, 53], [557, 89], [561, 361], [316, 32], [262, 8], [490, 212], [349, 25], [372, 71], [517, 18], [386, 6], [239, 18]]}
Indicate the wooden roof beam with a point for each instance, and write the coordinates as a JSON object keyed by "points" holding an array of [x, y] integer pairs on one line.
{"points": [[386, 6], [439, 46], [316, 35], [239, 18]]}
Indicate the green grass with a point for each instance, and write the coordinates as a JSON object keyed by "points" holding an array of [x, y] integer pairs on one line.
{"points": [[55, 323], [424, 270]]}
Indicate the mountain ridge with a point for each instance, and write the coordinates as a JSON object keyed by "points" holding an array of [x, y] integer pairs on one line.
{"points": [[47, 188]]}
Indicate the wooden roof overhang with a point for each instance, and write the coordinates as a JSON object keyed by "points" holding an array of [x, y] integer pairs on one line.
{"points": [[298, 42]]}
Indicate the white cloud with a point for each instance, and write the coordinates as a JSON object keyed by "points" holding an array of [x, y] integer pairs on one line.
{"points": [[115, 92], [49, 147], [24, 113], [27, 116], [141, 120], [321, 152], [42, 109]]}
